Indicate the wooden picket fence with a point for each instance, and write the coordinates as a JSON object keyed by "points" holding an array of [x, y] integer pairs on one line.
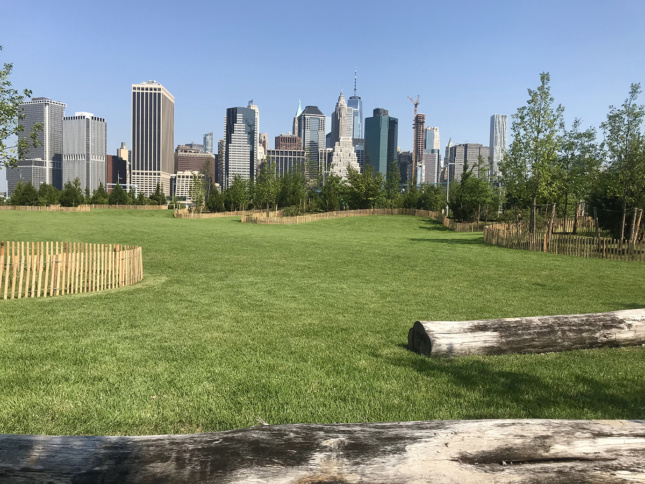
{"points": [[184, 213], [128, 207], [41, 269], [50, 208], [566, 244]]}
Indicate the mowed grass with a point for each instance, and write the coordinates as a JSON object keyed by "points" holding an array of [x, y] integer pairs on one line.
{"points": [[305, 323]]}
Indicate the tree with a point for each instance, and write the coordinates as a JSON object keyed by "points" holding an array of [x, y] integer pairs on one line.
{"points": [[431, 197], [24, 194], [10, 117], [392, 183], [529, 166], [88, 195], [72, 194], [268, 186], [293, 188], [215, 202], [197, 192], [47, 194], [331, 193], [118, 196], [364, 189], [579, 164], [100, 195], [158, 196], [238, 193], [624, 145]]}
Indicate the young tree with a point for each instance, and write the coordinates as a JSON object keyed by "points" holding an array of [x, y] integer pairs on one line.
{"points": [[364, 189], [197, 192], [624, 145], [100, 195], [215, 202], [158, 196], [24, 194], [331, 193], [47, 194], [267, 187], [392, 183], [431, 197], [72, 194], [10, 116], [118, 196], [579, 164], [529, 167], [238, 193]]}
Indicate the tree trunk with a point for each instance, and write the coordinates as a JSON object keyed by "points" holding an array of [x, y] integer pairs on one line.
{"points": [[551, 221], [540, 334], [566, 208], [622, 226], [575, 218], [452, 451], [533, 216]]}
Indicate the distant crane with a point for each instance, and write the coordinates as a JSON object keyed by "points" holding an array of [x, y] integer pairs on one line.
{"points": [[414, 144]]}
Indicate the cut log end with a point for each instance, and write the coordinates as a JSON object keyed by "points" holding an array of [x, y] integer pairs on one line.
{"points": [[419, 340]]}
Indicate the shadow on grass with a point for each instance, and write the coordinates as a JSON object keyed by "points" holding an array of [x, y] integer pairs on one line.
{"points": [[431, 224], [503, 393], [478, 241]]}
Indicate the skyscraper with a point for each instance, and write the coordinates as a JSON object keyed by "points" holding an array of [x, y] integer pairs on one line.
{"points": [[356, 104], [381, 138], [153, 137], [419, 142], [345, 113], [466, 155], [256, 137], [84, 150], [311, 128], [295, 118], [240, 137], [208, 142], [343, 157], [431, 139], [42, 163], [498, 128]]}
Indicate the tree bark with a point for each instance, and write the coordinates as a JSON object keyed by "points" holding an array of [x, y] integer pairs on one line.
{"points": [[551, 221], [566, 208], [458, 451], [540, 334], [622, 226], [575, 218], [533, 216]]}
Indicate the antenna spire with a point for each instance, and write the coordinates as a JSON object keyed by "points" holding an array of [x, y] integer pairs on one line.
{"points": [[354, 81]]}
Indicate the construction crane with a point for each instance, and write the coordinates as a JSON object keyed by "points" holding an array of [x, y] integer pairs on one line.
{"points": [[414, 144]]}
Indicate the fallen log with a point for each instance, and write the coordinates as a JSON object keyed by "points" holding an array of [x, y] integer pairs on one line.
{"points": [[539, 334], [406, 452]]}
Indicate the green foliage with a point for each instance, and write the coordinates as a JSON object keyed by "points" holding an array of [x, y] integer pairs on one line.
{"points": [[529, 168], [118, 196], [237, 195], [158, 196], [47, 194], [431, 197], [293, 188], [392, 184], [72, 194], [332, 193], [10, 116], [24, 194], [364, 189], [267, 187], [215, 201], [470, 197], [411, 197], [100, 196]]}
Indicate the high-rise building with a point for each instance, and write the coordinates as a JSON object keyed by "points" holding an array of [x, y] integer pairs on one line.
{"points": [[356, 104], [405, 166], [84, 150], [123, 152], [191, 159], [359, 148], [264, 141], [343, 156], [42, 163], [311, 128], [431, 141], [347, 113], [498, 129], [381, 138], [295, 118], [219, 162], [256, 137], [240, 144], [288, 141], [153, 137], [208, 142], [117, 171], [431, 166], [195, 146], [419, 139], [286, 160], [466, 154]]}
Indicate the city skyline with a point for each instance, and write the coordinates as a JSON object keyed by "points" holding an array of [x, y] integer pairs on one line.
{"points": [[524, 40]]}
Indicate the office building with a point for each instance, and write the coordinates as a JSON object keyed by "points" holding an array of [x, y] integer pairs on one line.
{"points": [[117, 171], [381, 138], [311, 128], [84, 150], [219, 162], [195, 146], [419, 143], [431, 166], [256, 137], [405, 166], [123, 152], [346, 113], [289, 142], [356, 104], [192, 159], [498, 129], [208, 142], [295, 118], [359, 149], [153, 137], [240, 144], [43, 163], [467, 155], [183, 181], [431, 141], [343, 156], [286, 160]]}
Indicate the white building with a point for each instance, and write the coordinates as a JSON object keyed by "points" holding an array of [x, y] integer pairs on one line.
{"points": [[153, 137], [343, 157], [183, 183], [498, 129], [84, 143]]}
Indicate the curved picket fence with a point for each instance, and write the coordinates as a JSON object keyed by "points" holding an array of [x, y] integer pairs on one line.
{"points": [[41, 269]]}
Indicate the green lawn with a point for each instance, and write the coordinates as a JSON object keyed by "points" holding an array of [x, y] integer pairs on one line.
{"points": [[303, 323]]}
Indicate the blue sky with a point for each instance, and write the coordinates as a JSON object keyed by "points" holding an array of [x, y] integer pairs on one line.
{"points": [[466, 59]]}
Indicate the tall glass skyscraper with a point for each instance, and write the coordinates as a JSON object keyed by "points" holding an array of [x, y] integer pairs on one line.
{"points": [[239, 144], [311, 129], [381, 138], [84, 143], [208, 142], [356, 104]]}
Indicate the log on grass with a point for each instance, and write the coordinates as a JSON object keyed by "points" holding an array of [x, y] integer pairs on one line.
{"points": [[540, 334], [405, 452]]}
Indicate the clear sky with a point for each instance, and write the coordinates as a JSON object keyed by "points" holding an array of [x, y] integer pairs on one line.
{"points": [[465, 59]]}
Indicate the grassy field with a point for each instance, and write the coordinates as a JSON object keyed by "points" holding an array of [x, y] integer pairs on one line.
{"points": [[304, 323]]}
